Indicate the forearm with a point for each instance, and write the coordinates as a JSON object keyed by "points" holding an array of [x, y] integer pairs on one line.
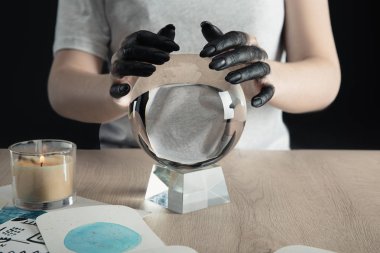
{"points": [[83, 96], [310, 79], [303, 86], [78, 91]]}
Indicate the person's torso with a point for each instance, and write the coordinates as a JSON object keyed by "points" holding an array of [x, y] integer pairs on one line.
{"points": [[260, 18]]}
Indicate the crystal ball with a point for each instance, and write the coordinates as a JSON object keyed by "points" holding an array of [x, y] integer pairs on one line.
{"points": [[187, 116]]}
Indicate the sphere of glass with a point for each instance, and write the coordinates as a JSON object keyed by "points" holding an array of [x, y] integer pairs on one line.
{"points": [[188, 125]]}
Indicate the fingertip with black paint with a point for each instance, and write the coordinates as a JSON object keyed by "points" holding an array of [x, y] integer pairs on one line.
{"points": [[119, 90]]}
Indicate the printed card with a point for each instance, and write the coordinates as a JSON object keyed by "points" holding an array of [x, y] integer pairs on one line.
{"points": [[21, 235]]}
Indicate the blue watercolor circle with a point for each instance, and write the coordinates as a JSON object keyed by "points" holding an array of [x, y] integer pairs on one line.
{"points": [[101, 237]]}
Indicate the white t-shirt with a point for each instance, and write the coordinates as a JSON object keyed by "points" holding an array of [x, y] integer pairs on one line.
{"points": [[98, 27]]}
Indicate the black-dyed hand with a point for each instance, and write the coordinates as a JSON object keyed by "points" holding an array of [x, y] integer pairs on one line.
{"points": [[138, 54], [235, 48]]}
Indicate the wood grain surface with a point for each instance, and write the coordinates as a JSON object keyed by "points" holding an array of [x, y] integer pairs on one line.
{"points": [[328, 199]]}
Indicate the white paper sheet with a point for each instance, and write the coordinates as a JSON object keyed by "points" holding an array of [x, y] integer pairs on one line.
{"points": [[3, 202], [55, 226]]}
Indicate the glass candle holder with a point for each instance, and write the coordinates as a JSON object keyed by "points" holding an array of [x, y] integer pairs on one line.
{"points": [[43, 173]]}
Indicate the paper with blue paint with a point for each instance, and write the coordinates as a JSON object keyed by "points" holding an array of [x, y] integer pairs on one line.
{"points": [[9, 212], [56, 227], [101, 237]]}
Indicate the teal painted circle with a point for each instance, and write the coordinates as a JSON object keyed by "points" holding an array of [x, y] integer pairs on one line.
{"points": [[101, 237]]}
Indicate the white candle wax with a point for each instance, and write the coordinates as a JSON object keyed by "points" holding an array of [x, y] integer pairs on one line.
{"points": [[39, 180]]}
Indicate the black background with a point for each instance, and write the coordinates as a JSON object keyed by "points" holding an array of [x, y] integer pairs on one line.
{"points": [[351, 122]]}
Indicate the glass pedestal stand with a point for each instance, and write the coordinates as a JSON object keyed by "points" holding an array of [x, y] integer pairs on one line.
{"points": [[187, 190]]}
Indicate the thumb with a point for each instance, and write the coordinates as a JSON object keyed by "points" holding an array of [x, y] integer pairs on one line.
{"points": [[167, 31], [210, 31]]}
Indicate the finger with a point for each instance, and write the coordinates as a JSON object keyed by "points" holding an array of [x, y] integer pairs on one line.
{"points": [[256, 70], [210, 31], [167, 31], [144, 54], [119, 90], [149, 39], [223, 43], [264, 96], [122, 68], [240, 55]]}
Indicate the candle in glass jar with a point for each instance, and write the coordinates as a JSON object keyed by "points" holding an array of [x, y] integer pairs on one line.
{"points": [[39, 179]]}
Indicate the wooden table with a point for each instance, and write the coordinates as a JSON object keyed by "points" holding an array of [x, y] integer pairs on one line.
{"points": [[325, 199]]}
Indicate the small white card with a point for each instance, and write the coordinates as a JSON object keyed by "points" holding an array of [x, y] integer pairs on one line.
{"points": [[301, 249], [103, 228]]}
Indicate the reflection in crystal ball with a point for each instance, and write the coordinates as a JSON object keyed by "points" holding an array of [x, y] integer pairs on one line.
{"points": [[188, 125]]}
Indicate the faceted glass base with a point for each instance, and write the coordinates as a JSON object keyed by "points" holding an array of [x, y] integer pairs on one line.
{"points": [[187, 190]]}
